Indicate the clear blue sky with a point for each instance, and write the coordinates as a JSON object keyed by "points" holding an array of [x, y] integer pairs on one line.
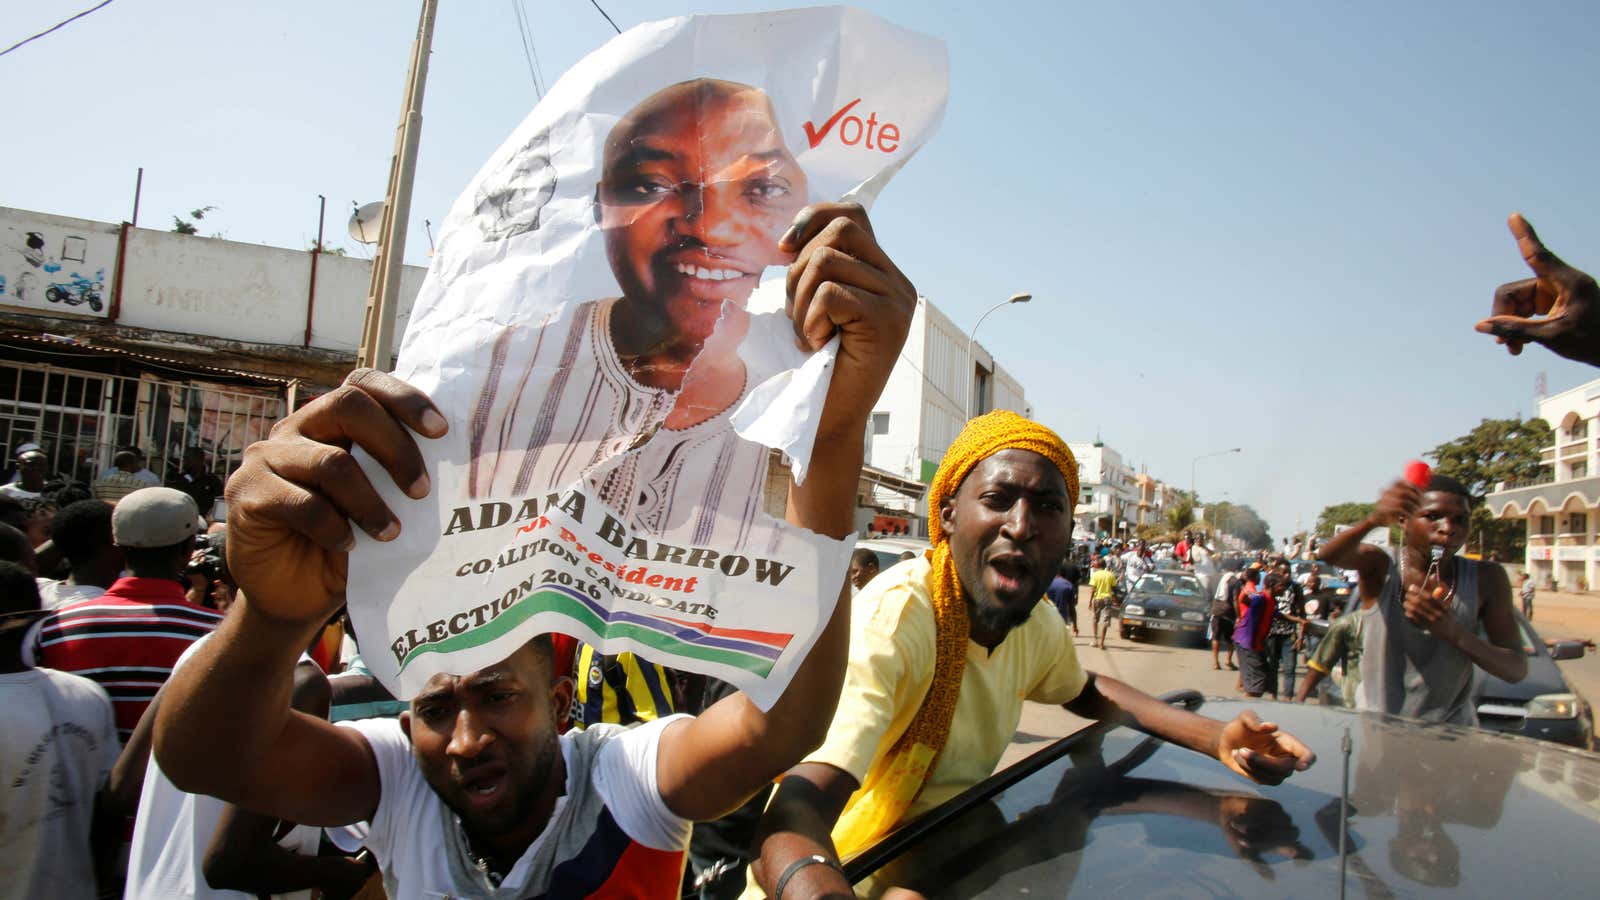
{"points": [[1249, 223]]}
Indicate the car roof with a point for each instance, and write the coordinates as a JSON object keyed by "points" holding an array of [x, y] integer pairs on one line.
{"points": [[1110, 810]]}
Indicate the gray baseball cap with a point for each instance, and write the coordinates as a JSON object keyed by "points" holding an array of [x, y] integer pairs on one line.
{"points": [[154, 517]]}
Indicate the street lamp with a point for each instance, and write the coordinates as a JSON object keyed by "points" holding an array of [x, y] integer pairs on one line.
{"points": [[1194, 497], [1014, 298]]}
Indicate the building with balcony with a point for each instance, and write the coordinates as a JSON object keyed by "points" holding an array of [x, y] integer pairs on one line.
{"points": [[1561, 508], [1155, 498], [1108, 493]]}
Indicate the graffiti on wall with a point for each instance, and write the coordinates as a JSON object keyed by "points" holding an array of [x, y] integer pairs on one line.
{"points": [[51, 264]]}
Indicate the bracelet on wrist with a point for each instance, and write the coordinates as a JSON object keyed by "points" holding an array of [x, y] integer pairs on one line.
{"points": [[815, 859]]}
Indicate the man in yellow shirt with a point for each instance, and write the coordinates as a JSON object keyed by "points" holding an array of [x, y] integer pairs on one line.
{"points": [[944, 650], [1104, 584]]}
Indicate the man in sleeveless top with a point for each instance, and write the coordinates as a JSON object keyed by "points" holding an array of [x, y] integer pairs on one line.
{"points": [[472, 792], [1421, 619], [634, 394]]}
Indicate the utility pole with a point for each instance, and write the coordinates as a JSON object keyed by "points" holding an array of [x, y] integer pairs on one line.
{"points": [[377, 334]]}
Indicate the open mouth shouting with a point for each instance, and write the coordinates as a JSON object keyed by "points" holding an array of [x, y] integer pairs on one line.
{"points": [[483, 786], [1010, 574]]}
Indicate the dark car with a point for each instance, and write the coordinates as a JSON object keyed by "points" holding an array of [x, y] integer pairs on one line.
{"points": [[1172, 601], [1542, 705], [1413, 810]]}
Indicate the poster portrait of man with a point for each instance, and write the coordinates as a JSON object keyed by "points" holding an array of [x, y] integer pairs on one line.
{"points": [[602, 327], [632, 394]]}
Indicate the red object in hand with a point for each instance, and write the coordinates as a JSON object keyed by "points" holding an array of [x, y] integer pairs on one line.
{"points": [[1418, 473]]}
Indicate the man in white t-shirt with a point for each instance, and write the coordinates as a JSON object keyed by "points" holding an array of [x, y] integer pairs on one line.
{"points": [[472, 791], [197, 847], [58, 743]]}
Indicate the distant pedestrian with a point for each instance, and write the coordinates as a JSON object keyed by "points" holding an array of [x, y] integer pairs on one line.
{"points": [[863, 568], [1525, 592], [1224, 616], [1286, 638], [1257, 606], [1102, 600], [195, 478], [82, 532], [1063, 592], [129, 638], [122, 480], [32, 469], [142, 471], [58, 743]]}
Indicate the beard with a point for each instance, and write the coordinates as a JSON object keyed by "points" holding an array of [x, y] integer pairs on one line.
{"points": [[539, 767], [994, 618]]}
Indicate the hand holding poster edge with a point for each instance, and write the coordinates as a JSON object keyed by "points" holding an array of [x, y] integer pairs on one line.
{"points": [[426, 642]]}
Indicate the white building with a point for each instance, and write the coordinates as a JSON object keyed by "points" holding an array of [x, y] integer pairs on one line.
{"points": [[1108, 492], [1561, 507], [113, 335], [922, 409]]}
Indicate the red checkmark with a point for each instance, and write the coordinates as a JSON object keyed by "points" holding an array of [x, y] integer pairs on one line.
{"points": [[815, 136]]}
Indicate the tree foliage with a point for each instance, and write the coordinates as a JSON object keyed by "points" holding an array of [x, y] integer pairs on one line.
{"points": [[1341, 514], [187, 226], [1179, 516], [1496, 450], [1242, 521]]}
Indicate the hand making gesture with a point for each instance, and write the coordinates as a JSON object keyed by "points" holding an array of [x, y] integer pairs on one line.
{"points": [[1567, 299]]}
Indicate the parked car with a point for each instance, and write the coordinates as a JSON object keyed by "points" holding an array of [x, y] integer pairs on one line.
{"points": [[1542, 705], [1169, 600], [1420, 810], [889, 550]]}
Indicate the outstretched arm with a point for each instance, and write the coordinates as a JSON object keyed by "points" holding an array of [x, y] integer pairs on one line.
{"points": [[1345, 550], [1255, 749], [841, 282], [225, 726]]}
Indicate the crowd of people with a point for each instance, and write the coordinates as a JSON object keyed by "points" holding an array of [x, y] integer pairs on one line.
{"points": [[187, 714]]}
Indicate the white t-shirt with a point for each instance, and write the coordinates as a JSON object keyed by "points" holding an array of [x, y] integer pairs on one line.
{"points": [[145, 475], [58, 742], [173, 830], [16, 490], [418, 842], [55, 594]]}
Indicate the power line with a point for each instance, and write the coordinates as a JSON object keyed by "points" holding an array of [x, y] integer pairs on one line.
{"points": [[596, 6], [534, 49], [102, 5], [527, 47]]}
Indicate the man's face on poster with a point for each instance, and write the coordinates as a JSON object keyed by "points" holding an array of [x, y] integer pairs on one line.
{"points": [[696, 189]]}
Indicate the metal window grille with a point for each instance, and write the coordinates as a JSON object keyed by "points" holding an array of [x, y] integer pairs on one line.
{"points": [[80, 419]]}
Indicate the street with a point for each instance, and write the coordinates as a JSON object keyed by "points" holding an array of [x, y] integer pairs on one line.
{"points": [[1173, 665]]}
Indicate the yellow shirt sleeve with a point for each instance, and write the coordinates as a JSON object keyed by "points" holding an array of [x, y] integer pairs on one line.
{"points": [[1063, 678], [892, 645]]}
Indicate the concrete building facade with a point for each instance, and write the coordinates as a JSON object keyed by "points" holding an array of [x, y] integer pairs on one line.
{"points": [[116, 336], [1561, 507], [923, 407], [1108, 493]]}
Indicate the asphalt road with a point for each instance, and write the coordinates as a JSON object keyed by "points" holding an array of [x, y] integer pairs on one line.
{"points": [[1174, 664]]}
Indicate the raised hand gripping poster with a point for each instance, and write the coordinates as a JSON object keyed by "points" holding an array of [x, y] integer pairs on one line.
{"points": [[589, 327]]}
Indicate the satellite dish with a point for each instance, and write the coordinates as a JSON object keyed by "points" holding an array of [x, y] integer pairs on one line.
{"points": [[366, 222]]}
